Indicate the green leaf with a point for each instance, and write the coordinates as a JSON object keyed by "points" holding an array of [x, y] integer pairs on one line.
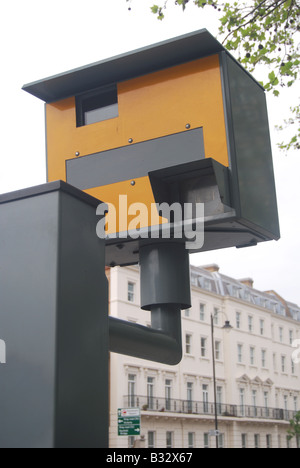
{"points": [[155, 9], [272, 76], [260, 34]]}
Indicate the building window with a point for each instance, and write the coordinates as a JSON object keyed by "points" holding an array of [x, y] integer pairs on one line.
{"points": [[191, 440], [238, 320], [280, 334], [254, 394], [240, 353], [244, 441], [205, 398], [168, 394], [283, 360], [97, 106], [286, 406], [188, 344], [291, 335], [131, 440], [169, 439], [203, 347], [190, 396], [207, 284], [263, 302], [151, 439], [221, 440], [242, 401], [131, 390], [275, 362], [285, 402], [263, 358], [150, 392], [252, 356], [218, 350], [235, 292], [194, 280], [219, 399], [216, 316], [131, 291], [256, 441], [269, 441], [250, 324], [279, 441], [202, 312], [187, 313], [254, 402], [266, 401], [293, 367], [295, 404], [206, 440], [262, 327], [247, 295]]}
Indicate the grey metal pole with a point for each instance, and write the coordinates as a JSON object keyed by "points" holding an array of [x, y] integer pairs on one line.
{"points": [[154, 344], [214, 378], [165, 291]]}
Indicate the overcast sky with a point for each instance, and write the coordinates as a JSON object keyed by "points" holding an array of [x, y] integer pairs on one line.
{"points": [[40, 38]]}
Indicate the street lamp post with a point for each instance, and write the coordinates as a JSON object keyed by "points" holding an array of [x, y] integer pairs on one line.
{"points": [[228, 328]]}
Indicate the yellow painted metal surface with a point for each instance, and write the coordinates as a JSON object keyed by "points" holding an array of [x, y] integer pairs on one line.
{"points": [[151, 106]]}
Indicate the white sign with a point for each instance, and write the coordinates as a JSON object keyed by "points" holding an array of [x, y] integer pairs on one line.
{"points": [[129, 412]]}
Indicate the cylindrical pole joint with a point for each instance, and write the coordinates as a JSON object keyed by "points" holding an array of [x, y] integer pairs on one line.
{"points": [[165, 278], [165, 290]]}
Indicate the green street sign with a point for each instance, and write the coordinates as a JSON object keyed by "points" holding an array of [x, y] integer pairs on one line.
{"points": [[129, 421]]}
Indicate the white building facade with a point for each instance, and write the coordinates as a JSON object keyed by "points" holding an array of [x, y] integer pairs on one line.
{"points": [[258, 381]]}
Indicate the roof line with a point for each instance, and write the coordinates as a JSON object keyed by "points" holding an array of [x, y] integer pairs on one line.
{"points": [[149, 59]]}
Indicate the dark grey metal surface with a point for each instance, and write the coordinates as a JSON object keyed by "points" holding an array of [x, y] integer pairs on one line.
{"points": [[123, 67], [165, 275], [252, 174], [53, 318], [165, 290], [136, 160], [222, 233], [48, 188], [159, 344], [204, 181]]}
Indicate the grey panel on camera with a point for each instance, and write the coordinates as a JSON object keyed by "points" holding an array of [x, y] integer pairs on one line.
{"points": [[252, 153], [136, 160]]}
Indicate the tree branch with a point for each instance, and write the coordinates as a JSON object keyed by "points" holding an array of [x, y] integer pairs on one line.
{"points": [[252, 20]]}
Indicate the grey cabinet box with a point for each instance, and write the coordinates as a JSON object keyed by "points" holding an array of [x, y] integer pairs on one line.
{"points": [[53, 320]]}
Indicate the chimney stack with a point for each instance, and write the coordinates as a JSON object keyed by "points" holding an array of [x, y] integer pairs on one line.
{"points": [[247, 282], [213, 268]]}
